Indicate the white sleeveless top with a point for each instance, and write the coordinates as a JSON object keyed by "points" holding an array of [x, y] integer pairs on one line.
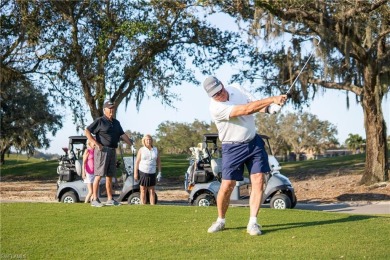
{"points": [[148, 163]]}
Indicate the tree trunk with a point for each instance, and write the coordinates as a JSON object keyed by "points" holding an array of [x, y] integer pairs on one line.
{"points": [[2, 154], [4, 149], [2, 161], [377, 168]]}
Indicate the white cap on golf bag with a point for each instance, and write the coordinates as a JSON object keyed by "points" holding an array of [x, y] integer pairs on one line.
{"points": [[273, 109]]}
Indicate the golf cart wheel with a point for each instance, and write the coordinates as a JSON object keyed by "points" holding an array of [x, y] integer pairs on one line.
{"points": [[280, 201], [134, 198], [205, 200], [69, 197]]}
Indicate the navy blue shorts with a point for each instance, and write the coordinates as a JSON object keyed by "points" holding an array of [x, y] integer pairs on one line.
{"points": [[252, 155]]}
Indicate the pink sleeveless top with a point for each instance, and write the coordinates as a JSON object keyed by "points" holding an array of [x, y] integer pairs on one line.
{"points": [[89, 165]]}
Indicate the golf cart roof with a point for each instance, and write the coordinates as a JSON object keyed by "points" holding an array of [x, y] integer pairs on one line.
{"points": [[77, 139], [212, 138]]}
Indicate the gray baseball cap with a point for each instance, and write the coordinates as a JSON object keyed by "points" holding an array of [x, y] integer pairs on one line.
{"points": [[212, 85]]}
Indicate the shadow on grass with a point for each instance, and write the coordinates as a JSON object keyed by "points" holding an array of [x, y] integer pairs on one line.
{"points": [[284, 226]]}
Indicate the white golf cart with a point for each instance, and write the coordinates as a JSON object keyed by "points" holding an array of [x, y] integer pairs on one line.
{"points": [[71, 187], [203, 178]]}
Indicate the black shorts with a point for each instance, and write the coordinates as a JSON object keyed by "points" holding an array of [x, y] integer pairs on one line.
{"points": [[147, 179]]}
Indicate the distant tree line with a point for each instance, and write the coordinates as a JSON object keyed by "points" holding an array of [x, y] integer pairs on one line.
{"points": [[291, 132]]}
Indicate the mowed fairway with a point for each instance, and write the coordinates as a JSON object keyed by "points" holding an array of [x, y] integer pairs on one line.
{"points": [[79, 231]]}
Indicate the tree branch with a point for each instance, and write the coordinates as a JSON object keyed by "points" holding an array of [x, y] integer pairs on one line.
{"points": [[339, 86]]}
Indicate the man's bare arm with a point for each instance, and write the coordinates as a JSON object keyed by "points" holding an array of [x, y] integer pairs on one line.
{"points": [[257, 106]]}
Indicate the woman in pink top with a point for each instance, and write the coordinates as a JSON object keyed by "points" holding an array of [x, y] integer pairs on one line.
{"points": [[88, 169]]}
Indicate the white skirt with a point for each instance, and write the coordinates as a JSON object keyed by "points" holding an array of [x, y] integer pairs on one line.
{"points": [[89, 178]]}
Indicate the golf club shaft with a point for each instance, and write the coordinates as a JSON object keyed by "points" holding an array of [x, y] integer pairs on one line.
{"points": [[304, 66]]}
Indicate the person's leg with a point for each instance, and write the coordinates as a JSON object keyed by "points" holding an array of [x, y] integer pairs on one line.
{"points": [[257, 164], [99, 167], [96, 187], [90, 193], [233, 157], [110, 171], [143, 194], [257, 183], [109, 187], [152, 198], [223, 198]]}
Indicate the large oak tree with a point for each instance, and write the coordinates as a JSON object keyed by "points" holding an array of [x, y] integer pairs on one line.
{"points": [[26, 113], [124, 50], [355, 54]]}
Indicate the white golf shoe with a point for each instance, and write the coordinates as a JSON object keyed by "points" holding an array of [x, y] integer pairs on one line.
{"points": [[254, 229], [216, 226]]}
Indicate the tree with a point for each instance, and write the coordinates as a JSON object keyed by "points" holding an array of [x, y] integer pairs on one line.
{"points": [[297, 132], [271, 125], [177, 138], [355, 142], [26, 116], [136, 137], [354, 51], [124, 50]]}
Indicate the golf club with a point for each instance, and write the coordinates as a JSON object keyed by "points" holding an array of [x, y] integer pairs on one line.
{"points": [[304, 66], [274, 108]]}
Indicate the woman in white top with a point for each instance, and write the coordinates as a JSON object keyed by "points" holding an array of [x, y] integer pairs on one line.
{"points": [[148, 160]]}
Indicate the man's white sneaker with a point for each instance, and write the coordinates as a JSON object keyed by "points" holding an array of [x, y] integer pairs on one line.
{"points": [[253, 229], [216, 226]]}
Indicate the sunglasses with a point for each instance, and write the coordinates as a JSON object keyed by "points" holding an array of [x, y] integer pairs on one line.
{"points": [[218, 93]]}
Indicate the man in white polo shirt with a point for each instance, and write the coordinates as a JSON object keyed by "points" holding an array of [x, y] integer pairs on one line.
{"points": [[231, 109]]}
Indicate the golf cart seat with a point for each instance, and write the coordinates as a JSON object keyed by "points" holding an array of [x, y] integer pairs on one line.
{"points": [[216, 166]]}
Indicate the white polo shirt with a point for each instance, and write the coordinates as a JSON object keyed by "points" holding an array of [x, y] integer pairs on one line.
{"points": [[235, 129]]}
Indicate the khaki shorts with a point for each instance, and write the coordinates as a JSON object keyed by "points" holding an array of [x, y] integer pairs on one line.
{"points": [[105, 162]]}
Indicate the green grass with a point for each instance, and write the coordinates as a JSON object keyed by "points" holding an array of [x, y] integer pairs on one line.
{"points": [[29, 168], [341, 164], [19, 166], [176, 165], [78, 231]]}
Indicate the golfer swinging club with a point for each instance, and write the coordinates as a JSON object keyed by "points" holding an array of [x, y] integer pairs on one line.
{"points": [[231, 109]]}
